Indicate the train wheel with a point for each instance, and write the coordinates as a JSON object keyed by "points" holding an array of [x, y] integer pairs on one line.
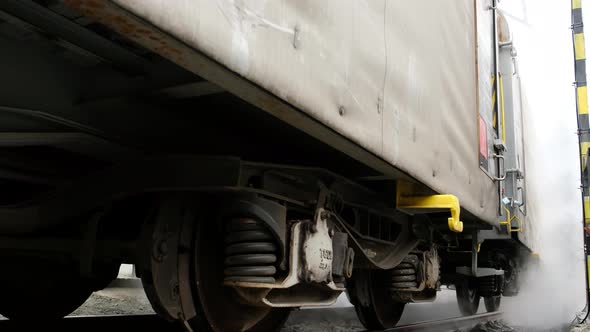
{"points": [[467, 297], [492, 303], [218, 308], [373, 303], [42, 289]]}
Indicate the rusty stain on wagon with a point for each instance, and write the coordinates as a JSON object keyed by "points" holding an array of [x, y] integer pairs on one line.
{"points": [[130, 27]]}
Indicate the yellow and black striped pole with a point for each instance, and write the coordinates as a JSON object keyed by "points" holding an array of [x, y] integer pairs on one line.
{"points": [[583, 127]]}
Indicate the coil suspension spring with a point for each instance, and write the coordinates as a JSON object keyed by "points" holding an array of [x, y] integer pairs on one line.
{"points": [[404, 276], [250, 252], [489, 286]]}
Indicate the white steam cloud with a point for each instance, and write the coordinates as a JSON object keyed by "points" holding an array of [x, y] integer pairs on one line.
{"points": [[553, 294]]}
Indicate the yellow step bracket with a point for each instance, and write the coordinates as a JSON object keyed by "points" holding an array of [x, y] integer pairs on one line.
{"points": [[423, 204], [508, 221]]}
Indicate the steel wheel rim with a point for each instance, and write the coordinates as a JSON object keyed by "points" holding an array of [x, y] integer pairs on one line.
{"points": [[218, 308], [381, 313]]}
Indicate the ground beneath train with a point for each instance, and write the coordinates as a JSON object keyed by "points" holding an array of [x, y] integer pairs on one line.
{"points": [[338, 318], [129, 298]]}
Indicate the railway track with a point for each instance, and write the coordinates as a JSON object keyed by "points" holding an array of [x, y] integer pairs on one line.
{"points": [[150, 322], [94, 323], [450, 324]]}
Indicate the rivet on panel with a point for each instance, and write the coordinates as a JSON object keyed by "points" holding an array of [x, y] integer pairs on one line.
{"points": [[341, 110], [379, 105]]}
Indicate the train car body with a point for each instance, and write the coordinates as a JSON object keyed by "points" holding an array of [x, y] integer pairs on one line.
{"points": [[400, 88], [373, 147]]}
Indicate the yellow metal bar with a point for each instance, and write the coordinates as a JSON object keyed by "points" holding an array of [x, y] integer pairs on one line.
{"points": [[450, 202], [579, 46], [586, 210], [582, 100], [576, 4], [516, 230], [509, 219]]}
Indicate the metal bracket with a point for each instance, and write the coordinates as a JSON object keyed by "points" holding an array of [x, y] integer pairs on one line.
{"points": [[431, 202], [479, 272], [518, 172], [500, 145], [316, 250], [292, 278], [275, 291], [508, 221], [473, 270]]}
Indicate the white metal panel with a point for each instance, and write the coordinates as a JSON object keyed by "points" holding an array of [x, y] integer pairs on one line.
{"points": [[320, 56], [396, 77], [431, 106]]}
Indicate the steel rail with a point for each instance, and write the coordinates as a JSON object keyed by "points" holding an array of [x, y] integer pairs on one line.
{"points": [[449, 324], [151, 322], [92, 323]]}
